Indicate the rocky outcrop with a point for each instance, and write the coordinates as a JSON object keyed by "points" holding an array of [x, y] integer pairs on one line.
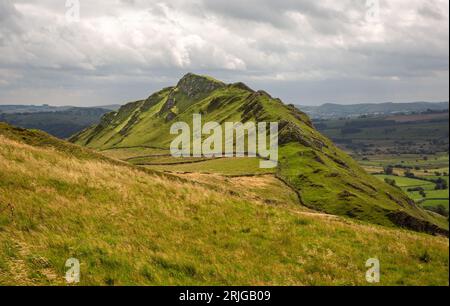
{"points": [[405, 220], [194, 86]]}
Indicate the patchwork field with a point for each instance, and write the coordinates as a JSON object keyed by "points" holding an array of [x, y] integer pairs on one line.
{"points": [[415, 144], [423, 134], [430, 198]]}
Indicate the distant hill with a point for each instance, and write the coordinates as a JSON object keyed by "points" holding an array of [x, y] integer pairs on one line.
{"points": [[61, 122], [14, 109], [330, 110], [425, 133], [326, 178]]}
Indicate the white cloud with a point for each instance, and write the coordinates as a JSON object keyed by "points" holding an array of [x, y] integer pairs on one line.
{"points": [[137, 46]]}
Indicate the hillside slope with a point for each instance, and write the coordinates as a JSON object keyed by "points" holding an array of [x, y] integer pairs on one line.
{"points": [[327, 178], [131, 226]]}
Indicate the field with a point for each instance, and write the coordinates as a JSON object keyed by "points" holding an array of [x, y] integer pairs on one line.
{"points": [[161, 160], [225, 166], [420, 134], [432, 198], [132, 226], [421, 165]]}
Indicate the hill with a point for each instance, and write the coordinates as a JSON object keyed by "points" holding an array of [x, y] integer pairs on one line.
{"points": [[20, 109], [61, 123], [325, 177], [330, 110], [16, 108], [128, 225]]}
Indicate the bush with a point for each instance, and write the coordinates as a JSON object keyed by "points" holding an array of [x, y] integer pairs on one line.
{"points": [[389, 170], [415, 189], [425, 257], [409, 174], [441, 184], [391, 182], [440, 209]]}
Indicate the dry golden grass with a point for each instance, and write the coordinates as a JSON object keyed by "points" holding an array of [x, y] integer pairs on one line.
{"points": [[128, 227]]}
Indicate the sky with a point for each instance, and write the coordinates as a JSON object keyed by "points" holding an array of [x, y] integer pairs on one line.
{"points": [[89, 53]]}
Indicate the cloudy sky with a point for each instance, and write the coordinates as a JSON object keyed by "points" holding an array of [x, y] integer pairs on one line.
{"points": [[305, 52]]}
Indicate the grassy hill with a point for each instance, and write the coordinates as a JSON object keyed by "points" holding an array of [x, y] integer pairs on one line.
{"points": [[128, 225], [325, 177]]}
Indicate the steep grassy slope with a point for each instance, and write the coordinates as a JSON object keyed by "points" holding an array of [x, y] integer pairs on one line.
{"points": [[128, 225], [328, 179]]}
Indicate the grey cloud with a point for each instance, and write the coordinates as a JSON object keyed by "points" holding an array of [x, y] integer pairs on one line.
{"points": [[127, 48], [9, 20]]}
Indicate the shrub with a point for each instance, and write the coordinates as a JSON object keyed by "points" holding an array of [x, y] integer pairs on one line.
{"points": [[389, 170], [439, 209], [409, 174], [391, 182]]}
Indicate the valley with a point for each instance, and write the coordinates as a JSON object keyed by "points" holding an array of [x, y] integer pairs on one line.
{"points": [[408, 150]]}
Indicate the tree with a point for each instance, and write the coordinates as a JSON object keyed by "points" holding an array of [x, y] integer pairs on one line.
{"points": [[389, 170], [441, 184], [391, 182], [409, 174]]}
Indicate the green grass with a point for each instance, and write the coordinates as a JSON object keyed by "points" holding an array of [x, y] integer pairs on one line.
{"points": [[225, 166], [433, 197], [435, 203], [127, 153], [435, 162], [164, 160], [407, 182], [128, 226]]}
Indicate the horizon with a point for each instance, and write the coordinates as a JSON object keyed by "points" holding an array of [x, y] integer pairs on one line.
{"points": [[307, 105], [86, 53], [200, 75]]}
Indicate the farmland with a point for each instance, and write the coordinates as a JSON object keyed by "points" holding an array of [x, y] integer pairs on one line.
{"points": [[414, 147]]}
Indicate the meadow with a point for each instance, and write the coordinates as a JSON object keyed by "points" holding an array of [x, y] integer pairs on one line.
{"points": [[432, 198], [133, 226]]}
